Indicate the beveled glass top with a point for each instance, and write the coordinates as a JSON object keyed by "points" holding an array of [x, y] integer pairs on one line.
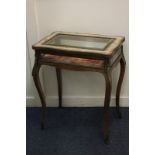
{"points": [[75, 41]]}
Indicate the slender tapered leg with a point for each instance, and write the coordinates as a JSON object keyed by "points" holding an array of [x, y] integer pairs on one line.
{"points": [[121, 76], [35, 74], [59, 79], [108, 81]]}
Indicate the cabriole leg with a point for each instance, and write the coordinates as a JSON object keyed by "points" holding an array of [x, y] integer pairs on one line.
{"points": [[121, 76], [35, 74], [59, 79], [108, 82]]}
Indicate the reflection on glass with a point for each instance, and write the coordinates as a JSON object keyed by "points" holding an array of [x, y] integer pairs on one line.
{"points": [[85, 42]]}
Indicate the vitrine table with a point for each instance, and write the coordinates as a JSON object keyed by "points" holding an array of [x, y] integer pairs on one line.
{"points": [[81, 52]]}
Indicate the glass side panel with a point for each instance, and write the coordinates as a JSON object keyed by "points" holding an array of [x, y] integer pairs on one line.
{"points": [[96, 43]]}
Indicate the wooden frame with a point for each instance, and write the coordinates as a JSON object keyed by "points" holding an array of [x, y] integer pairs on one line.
{"points": [[111, 59]]}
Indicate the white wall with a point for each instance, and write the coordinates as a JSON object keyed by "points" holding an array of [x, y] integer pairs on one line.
{"points": [[89, 16]]}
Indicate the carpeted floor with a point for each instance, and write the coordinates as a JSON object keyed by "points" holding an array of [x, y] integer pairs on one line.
{"points": [[76, 131]]}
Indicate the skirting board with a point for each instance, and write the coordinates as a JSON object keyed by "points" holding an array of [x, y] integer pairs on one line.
{"points": [[76, 101]]}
